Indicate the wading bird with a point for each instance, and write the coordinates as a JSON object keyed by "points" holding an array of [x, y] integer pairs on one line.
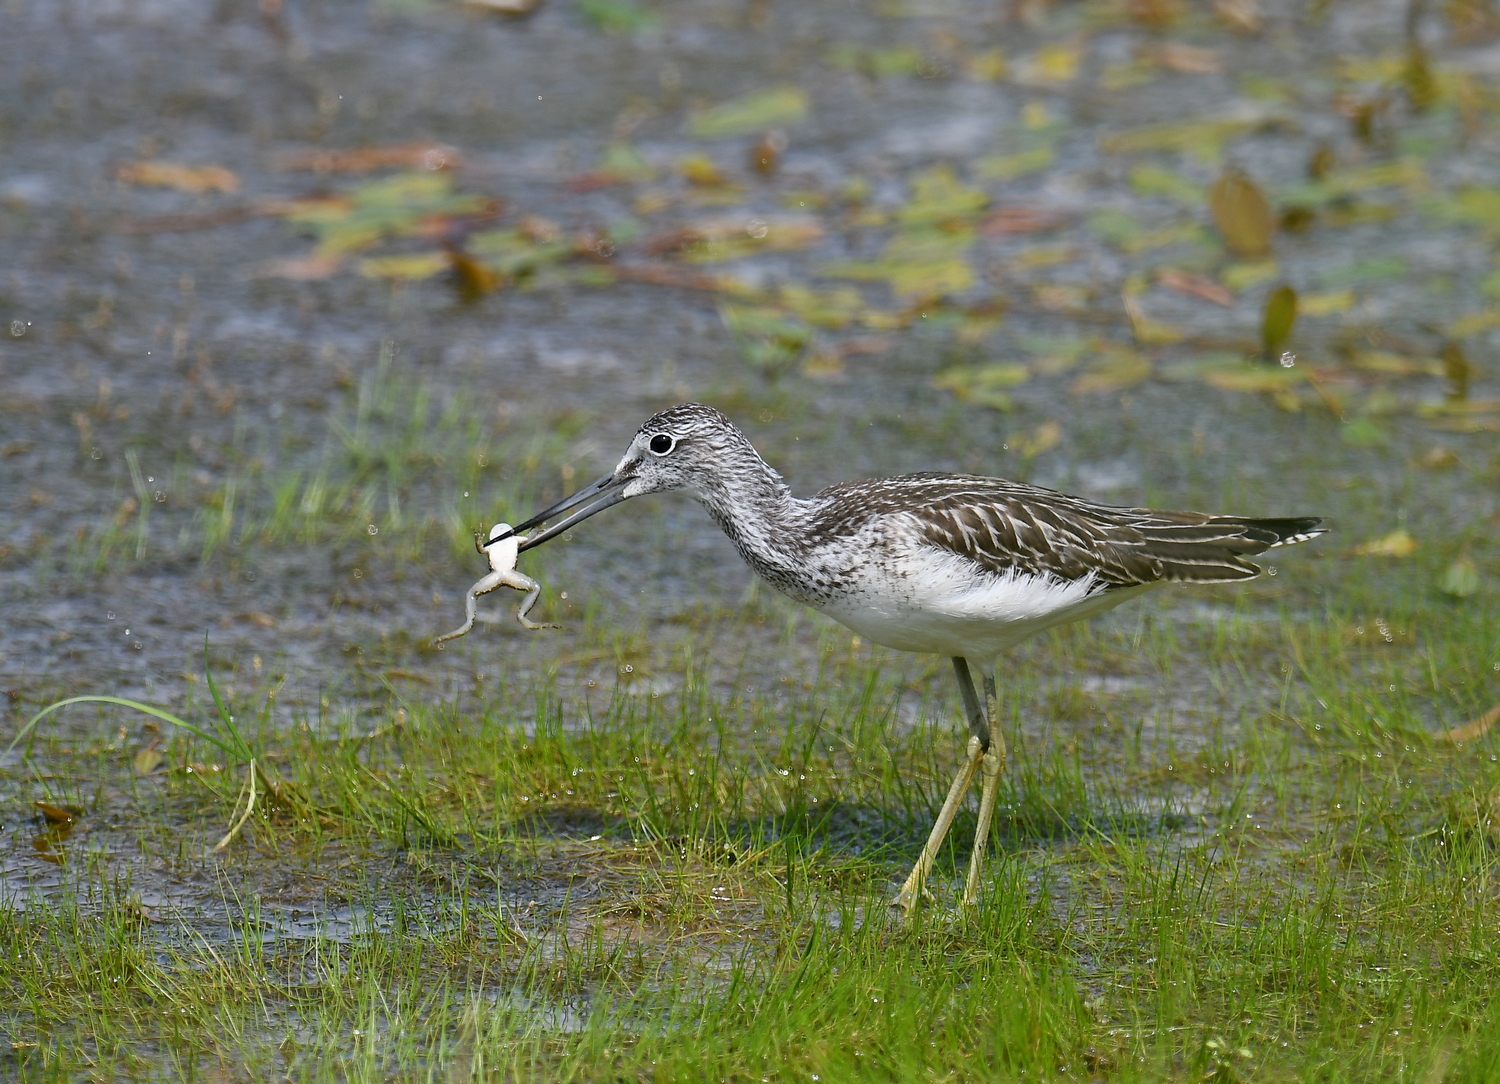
{"points": [[951, 564]]}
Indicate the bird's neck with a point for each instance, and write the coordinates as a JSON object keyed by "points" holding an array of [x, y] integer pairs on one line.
{"points": [[753, 505]]}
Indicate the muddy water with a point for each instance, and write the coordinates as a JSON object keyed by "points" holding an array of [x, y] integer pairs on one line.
{"points": [[186, 348]]}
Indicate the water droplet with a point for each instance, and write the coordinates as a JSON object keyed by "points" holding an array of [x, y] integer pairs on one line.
{"points": [[18, 328], [357, 573], [757, 228], [466, 493], [161, 498], [1288, 359], [96, 454], [150, 478], [109, 615], [127, 632], [372, 529], [1271, 571]]}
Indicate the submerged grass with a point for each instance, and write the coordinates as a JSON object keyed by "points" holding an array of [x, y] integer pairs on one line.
{"points": [[1294, 881]]}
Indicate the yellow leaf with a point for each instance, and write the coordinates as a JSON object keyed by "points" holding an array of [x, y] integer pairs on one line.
{"points": [[1050, 65], [1242, 276], [1242, 214], [422, 265], [1118, 368], [147, 761], [1326, 304], [1396, 544], [1007, 167], [989, 65]]}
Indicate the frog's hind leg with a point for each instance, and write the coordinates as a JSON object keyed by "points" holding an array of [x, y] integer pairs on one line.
{"points": [[533, 592], [471, 604]]}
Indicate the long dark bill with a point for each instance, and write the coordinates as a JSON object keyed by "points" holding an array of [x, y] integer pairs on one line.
{"points": [[602, 492]]}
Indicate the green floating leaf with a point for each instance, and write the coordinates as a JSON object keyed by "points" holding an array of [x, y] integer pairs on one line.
{"points": [[147, 760], [753, 112], [938, 198], [616, 16], [1460, 579], [1276, 324], [1007, 167], [1374, 270], [1152, 181], [984, 385]]}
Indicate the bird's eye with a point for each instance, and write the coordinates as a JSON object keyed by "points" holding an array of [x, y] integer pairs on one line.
{"points": [[661, 444]]}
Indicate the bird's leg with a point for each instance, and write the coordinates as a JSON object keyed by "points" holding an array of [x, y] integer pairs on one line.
{"points": [[979, 737], [993, 765]]}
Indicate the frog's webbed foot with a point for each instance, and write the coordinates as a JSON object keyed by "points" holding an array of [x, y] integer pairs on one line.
{"points": [[533, 592]]}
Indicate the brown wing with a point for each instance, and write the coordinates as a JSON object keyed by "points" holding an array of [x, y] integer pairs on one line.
{"points": [[1006, 526]]}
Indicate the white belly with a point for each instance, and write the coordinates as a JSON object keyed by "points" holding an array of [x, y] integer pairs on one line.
{"points": [[948, 607]]}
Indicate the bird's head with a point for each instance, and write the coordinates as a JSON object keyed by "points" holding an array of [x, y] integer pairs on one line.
{"points": [[689, 447]]}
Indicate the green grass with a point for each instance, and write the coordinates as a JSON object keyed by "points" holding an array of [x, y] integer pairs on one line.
{"points": [[1290, 881], [1229, 845]]}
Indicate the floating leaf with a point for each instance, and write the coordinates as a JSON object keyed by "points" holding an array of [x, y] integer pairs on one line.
{"points": [[1242, 276], [1242, 214], [1460, 579], [1114, 226], [1149, 332], [1373, 270], [1364, 432], [1185, 282], [1242, 15], [918, 263], [407, 204], [1457, 369], [1118, 368], [1154, 181], [984, 385], [1326, 304], [764, 336], [175, 175], [57, 814], [1417, 80], [1277, 320], [754, 112], [1474, 323], [823, 308], [1398, 543], [422, 265], [1203, 139], [1189, 59], [1051, 65], [512, 253], [989, 65], [619, 163], [147, 760], [938, 199], [617, 16], [420, 155], [1007, 167], [1030, 445]]}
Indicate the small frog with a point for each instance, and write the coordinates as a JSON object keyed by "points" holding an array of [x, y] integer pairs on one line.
{"points": [[502, 555]]}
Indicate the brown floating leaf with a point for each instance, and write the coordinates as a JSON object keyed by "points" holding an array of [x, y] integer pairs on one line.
{"points": [[1475, 730], [1416, 78], [1023, 220], [1189, 59], [511, 9], [1457, 369], [178, 176], [765, 156], [1185, 282], [57, 814], [1241, 15], [1241, 213], [429, 156], [1276, 324], [1321, 163], [471, 278]]}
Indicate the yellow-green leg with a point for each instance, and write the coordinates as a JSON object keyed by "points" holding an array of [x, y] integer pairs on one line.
{"points": [[993, 765]]}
